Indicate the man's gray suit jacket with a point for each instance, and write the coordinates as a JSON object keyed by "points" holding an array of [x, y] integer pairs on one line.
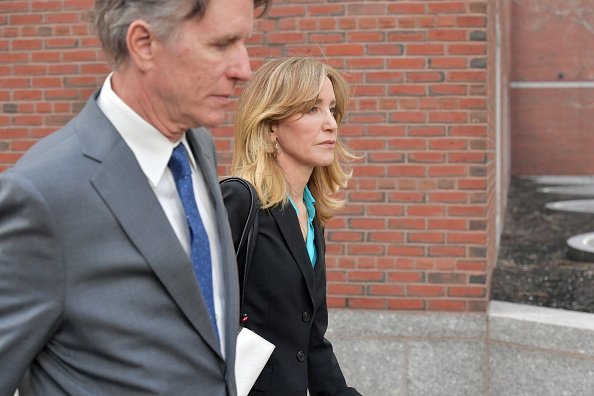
{"points": [[97, 296]]}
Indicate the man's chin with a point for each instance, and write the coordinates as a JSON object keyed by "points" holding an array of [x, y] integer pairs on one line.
{"points": [[212, 120]]}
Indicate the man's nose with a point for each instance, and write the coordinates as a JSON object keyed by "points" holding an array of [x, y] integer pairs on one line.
{"points": [[241, 69]]}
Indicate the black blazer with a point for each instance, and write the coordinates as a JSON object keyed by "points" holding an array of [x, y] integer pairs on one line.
{"points": [[285, 301]]}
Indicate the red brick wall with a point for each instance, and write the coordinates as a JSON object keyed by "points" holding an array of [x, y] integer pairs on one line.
{"points": [[552, 126], [417, 231]]}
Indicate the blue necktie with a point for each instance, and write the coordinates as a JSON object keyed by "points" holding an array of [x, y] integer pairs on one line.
{"points": [[179, 164]]}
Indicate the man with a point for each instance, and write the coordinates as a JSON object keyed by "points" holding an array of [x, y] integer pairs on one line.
{"points": [[107, 284]]}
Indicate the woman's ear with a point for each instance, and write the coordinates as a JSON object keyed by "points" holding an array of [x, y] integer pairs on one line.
{"points": [[140, 41]]}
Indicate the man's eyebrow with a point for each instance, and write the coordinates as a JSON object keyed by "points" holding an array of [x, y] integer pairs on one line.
{"points": [[226, 38]]}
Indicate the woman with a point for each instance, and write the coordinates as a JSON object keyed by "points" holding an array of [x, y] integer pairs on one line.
{"points": [[286, 145]]}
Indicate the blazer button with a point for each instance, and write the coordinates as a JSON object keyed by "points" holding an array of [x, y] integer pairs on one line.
{"points": [[301, 356], [306, 316]]}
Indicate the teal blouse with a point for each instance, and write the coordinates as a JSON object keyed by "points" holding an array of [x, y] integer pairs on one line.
{"points": [[309, 201]]}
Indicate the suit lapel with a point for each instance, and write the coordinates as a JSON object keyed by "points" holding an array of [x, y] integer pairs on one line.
{"points": [[122, 185], [286, 220]]}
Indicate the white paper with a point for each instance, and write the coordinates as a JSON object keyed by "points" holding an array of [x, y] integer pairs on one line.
{"points": [[252, 353]]}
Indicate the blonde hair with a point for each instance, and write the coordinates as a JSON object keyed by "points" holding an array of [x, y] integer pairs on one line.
{"points": [[278, 90]]}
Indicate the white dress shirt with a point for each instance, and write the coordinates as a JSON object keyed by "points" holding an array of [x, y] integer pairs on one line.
{"points": [[153, 151]]}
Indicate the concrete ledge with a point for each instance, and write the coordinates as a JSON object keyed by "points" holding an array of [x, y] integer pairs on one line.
{"points": [[385, 353], [513, 349], [544, 328], [369, 323]]}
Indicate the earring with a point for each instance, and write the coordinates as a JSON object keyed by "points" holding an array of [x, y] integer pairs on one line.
{"points": [[276, 149]]}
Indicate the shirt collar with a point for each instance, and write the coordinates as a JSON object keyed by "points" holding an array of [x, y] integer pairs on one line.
{"points": [[150, 147]]}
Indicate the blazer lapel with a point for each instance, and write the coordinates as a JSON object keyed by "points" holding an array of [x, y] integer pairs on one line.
{"points": [[286, 220], [320, 243], [121, 183]]}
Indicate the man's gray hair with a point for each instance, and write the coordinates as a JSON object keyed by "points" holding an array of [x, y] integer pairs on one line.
{"points": [[113, 17]]}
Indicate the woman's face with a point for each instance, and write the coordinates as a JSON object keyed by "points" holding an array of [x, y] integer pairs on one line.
{"points": [[306, 140]]}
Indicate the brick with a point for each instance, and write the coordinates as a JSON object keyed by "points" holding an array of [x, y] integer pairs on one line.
{"points": [[471, 21], [403, 196], [406, 144], [9, 158], [448, 63], [444, 7], [281, 11], [406, 304], [367, 37], [365, 63], [366, 276], [384, 76], [447, 171], [366, 303], [286, 38], [477, 238], [368, 223], [467, 210], [427, 76], [345, 50], [406, 8], [386, 290], [366, 9], [406, 223], [326, 9], [447, 305], [450, 251], [467, 49], [447, 35], [426, 210], [425, 237], [425, 291], [384, 49], [447, 144], [446, 278], [424, 49], [406, 277], [467, 157], [447, 224], [406, 36], [385, 236], [344, 289], [365, 249], [61, 42], [426, 131], [406, 63], [466, 76], [458, 117], [407, 90], [410, 251], [447, 197], [345, 236], [336, 302], [448, 89]]}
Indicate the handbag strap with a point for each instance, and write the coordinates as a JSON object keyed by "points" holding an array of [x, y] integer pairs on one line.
{"points": [[247, 241]]}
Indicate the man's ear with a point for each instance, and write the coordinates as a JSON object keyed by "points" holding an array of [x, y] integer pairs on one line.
{"points": [[140, 40]]}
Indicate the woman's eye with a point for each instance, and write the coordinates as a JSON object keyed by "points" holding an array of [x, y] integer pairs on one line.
{"points": [[313, 109]]}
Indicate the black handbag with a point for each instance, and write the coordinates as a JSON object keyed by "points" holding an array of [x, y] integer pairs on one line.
{"points": [[252, 351], [247, 242]]}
